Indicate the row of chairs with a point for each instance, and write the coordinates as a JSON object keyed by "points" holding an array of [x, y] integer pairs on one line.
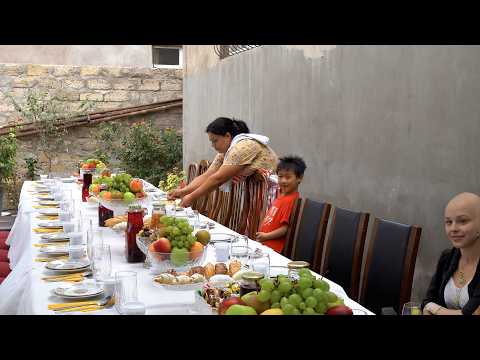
{"points": [[390, 257]]}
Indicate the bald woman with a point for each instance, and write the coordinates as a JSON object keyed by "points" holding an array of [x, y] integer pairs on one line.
{"points": [[455, 286]]}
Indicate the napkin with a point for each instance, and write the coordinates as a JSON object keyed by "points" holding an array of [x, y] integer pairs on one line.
{"points": [[47, 231], [50, 244], [44, 206], [47, 217], [51, 258]]}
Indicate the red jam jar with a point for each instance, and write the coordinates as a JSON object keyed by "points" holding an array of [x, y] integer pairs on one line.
{"points": [[134, 225]]}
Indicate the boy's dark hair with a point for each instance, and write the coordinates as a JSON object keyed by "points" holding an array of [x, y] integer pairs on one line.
{"points": [[222, 125], [293, 163]]}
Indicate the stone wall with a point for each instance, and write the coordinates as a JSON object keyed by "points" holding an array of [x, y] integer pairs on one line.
{"points": [[106, 87]]}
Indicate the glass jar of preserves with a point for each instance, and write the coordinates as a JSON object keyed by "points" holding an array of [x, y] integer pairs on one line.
{"points": [[294, 267], [157, 212], [250, 281], [134, 225], [87, 181]]}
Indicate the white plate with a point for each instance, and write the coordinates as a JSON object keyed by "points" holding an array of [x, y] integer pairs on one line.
{"points": [[48, 203], [182, 287], [67, 265], [48, 211], [54, 250], [80, 290], [69, 180], [45, 198], [51, 224], [222, 237], [60, 236]]}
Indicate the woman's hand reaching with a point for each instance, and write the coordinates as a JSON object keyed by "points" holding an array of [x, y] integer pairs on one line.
{"points": [[174, 194]]}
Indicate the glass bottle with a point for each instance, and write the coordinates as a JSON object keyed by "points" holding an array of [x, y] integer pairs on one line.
{"points": [[87, 181], [134, 225], [103, 214], [294, 267], [250, 281], [156, 215]]}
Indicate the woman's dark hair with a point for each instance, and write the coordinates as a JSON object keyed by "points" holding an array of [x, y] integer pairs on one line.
{"points": [[222, 125], [292, 163]]}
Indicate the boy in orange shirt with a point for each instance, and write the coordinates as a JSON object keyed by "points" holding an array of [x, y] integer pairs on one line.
{"points": [[274, 227]]}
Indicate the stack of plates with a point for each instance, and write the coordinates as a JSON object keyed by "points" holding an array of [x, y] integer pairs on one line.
{"points": [[81, 290], [50, 212], [51, 224], [68, 266], [60, 236]]}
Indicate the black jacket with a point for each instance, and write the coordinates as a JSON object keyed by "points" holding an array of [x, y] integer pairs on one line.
{"points": [[447, 265]]}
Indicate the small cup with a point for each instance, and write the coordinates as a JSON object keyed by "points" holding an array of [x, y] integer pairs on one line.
{"points": [[76, 238], [65, 216], [76, 252], [68, 227], [109, 286], [222, 250], [134, 308]]}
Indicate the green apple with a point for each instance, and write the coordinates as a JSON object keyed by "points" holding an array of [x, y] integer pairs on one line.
{"points": [[128, 196], [240, 310]]}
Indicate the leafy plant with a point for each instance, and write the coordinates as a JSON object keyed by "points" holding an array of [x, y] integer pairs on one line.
{"points": [[174, 178], [148, 153], [8, 152], [47, 113], [31, 163], [106, 136]]}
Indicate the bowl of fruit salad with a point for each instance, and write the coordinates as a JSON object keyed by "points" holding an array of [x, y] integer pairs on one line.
{"points": [[177, 248]]}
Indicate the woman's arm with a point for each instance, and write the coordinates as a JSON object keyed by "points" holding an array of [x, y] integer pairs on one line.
{"points": [[275, 234], [199, 180], [222, 175], [433, 291]]}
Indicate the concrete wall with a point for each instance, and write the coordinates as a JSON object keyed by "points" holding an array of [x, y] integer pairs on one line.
{"points": [[100, 55], [392, 130]]}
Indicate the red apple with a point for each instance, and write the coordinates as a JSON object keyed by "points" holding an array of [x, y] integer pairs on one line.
{"points": [[340, 310], [162, 245], [226, 303]]}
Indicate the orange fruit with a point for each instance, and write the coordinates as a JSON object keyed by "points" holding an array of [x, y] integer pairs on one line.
{"points": [[196, 250], [107, 195]]}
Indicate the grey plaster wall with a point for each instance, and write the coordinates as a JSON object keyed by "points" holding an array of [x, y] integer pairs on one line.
{"points": [[101, 55], [392, 130]]}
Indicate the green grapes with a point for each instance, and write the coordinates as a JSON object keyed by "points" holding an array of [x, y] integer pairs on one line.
{"points": [[263, 295]]}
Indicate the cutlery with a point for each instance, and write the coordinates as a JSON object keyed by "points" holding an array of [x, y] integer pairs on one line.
{"points": [[83, 305]]}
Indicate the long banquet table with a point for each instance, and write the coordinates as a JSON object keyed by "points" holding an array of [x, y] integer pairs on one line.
{"points": [[24, 292]]}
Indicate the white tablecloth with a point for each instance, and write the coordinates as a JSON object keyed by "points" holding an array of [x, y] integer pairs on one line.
{"points": [[23, 291]]}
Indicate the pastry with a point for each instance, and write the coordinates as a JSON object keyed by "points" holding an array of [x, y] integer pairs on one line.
{"points": [[197, 278], [221, 268], [196, 270], [209, 270], [234, 267], [184, 279]]}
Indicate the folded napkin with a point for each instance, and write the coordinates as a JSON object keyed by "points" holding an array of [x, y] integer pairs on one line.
{"points": [[52, 244], [47, 231], [72, 305], [70, 278], [47, 259], [45, 206], [47, 217]]}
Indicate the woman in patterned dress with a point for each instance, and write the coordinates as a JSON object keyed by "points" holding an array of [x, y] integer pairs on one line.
{"points": [[240, 154]]}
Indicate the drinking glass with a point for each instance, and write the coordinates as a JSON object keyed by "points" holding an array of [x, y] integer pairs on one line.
{"points": [[76, 252], [125, 289], [240, 253], [68, 227], [94, 237], [43, 176], [222, 251], [64, 215], [260, 264], [411, 308], [101, 262]]}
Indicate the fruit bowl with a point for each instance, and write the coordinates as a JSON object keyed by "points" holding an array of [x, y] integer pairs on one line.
{"points": [[162, 262], [120, 207]]}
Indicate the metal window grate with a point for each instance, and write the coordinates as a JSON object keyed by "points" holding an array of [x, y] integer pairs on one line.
{"points": [[224, 51]]}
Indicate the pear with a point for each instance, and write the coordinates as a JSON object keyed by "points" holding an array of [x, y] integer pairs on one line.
{"points": [[240, 310], [251, 300]]}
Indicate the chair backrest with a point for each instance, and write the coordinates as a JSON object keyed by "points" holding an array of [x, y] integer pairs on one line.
{"points": [[389, 265], [192, 172], [202, 203], [344, 249], [310, 233], [293, 221], [240, 205], [257, 194], [222, 207]]}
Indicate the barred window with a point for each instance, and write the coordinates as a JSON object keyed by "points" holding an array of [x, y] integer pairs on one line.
{"points": [[224, 51], [167, 56]]}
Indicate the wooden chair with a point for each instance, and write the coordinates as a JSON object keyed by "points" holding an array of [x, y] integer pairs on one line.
{"points": [[240, 205], [344, 249], [389, 265], [288, 248], [257, 200], [310, 233], [201, 204], [192, 172]]}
